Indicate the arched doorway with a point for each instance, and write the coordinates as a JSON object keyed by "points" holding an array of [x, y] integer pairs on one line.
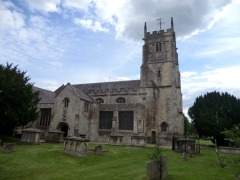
{"points": [[62, 126]]}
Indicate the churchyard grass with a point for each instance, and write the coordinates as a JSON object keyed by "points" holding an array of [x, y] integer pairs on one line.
{"points": [[49, 162]]}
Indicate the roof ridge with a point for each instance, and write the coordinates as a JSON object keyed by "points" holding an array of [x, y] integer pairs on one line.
{"points": [[38, 88], [105, 82]]}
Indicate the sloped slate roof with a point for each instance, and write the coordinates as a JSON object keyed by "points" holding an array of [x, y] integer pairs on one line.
{"points": [[58, 90], [81, 94], [84, 91], [45, 96], [117, 86]]}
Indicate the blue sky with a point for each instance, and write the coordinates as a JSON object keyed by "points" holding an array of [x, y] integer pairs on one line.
{"points": [[80, 41]]}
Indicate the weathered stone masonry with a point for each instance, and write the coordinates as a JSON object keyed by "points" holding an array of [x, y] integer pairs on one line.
{"points": [[134, 112]]}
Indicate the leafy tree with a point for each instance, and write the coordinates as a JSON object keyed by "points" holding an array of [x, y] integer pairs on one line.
{"points": [[18, 102], [214, 112], [233, 134]]}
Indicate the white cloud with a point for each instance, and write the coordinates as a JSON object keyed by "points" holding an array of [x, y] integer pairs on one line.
{"points": [[128, 16], [90, 24], [26, 41], [44, 5], [77, 4], [10, 19]]}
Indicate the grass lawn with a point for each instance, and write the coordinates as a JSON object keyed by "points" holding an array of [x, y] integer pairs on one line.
{"points": [[48, 161]]}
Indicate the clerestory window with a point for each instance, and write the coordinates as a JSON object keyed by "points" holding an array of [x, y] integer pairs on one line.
{"points": [[121, 100]]}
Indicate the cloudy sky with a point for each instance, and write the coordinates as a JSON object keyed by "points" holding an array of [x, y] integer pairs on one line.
{"points": [[79, 41]]}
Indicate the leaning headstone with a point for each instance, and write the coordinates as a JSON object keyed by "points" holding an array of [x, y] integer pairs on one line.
{"points": [[31, 135], [163, 168], [98, 150], [153, 170], [8, 147]]}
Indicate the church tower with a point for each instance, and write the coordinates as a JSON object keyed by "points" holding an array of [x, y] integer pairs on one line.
{"points": [[160, 77]]}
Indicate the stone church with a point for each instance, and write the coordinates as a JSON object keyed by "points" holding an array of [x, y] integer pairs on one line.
{"points": [[133, 112]]}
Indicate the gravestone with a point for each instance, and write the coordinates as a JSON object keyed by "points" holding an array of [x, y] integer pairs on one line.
{"points": [[98, 150], [157, 169]]}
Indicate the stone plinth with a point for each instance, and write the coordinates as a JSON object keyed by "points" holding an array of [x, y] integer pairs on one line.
{"points": [[76, 146], [138, 140], [229, 150], [116, 139], [31, 135], [55, 136], [186, 145]]}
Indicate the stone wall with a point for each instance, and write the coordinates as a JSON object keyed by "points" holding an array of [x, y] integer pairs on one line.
{"points": [[229, 150], [74, 115]]}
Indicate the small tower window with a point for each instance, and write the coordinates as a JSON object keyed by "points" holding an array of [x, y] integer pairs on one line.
{"points": [[99, 101], [164, 127], [158, 46], [121, 100], [66, 102], [159, 73]]}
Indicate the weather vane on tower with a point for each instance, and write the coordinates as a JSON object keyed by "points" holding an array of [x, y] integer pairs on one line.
{"points": [[160, 22]]}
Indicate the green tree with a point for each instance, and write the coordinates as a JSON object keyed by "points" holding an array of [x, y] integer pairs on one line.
{"points": [[214, 112], [18, 102], [233, 134]]}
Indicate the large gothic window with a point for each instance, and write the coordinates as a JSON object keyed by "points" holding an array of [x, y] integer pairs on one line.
{"points": [[45, 117], [105, 119], [164, 127], [125, 120], [99, 101], [121, 100]]}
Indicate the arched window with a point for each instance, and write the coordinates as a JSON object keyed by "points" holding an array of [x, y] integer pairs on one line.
{"points": [[99, 101], [121, 100], [66, 102], [164, 127]]}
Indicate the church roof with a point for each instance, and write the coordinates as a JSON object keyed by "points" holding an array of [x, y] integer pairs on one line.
{"points": [[46, 96], [81, 94], [109, 87]]}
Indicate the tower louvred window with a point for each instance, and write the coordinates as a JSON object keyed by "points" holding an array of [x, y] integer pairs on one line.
{"points": [[158, 46]]}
